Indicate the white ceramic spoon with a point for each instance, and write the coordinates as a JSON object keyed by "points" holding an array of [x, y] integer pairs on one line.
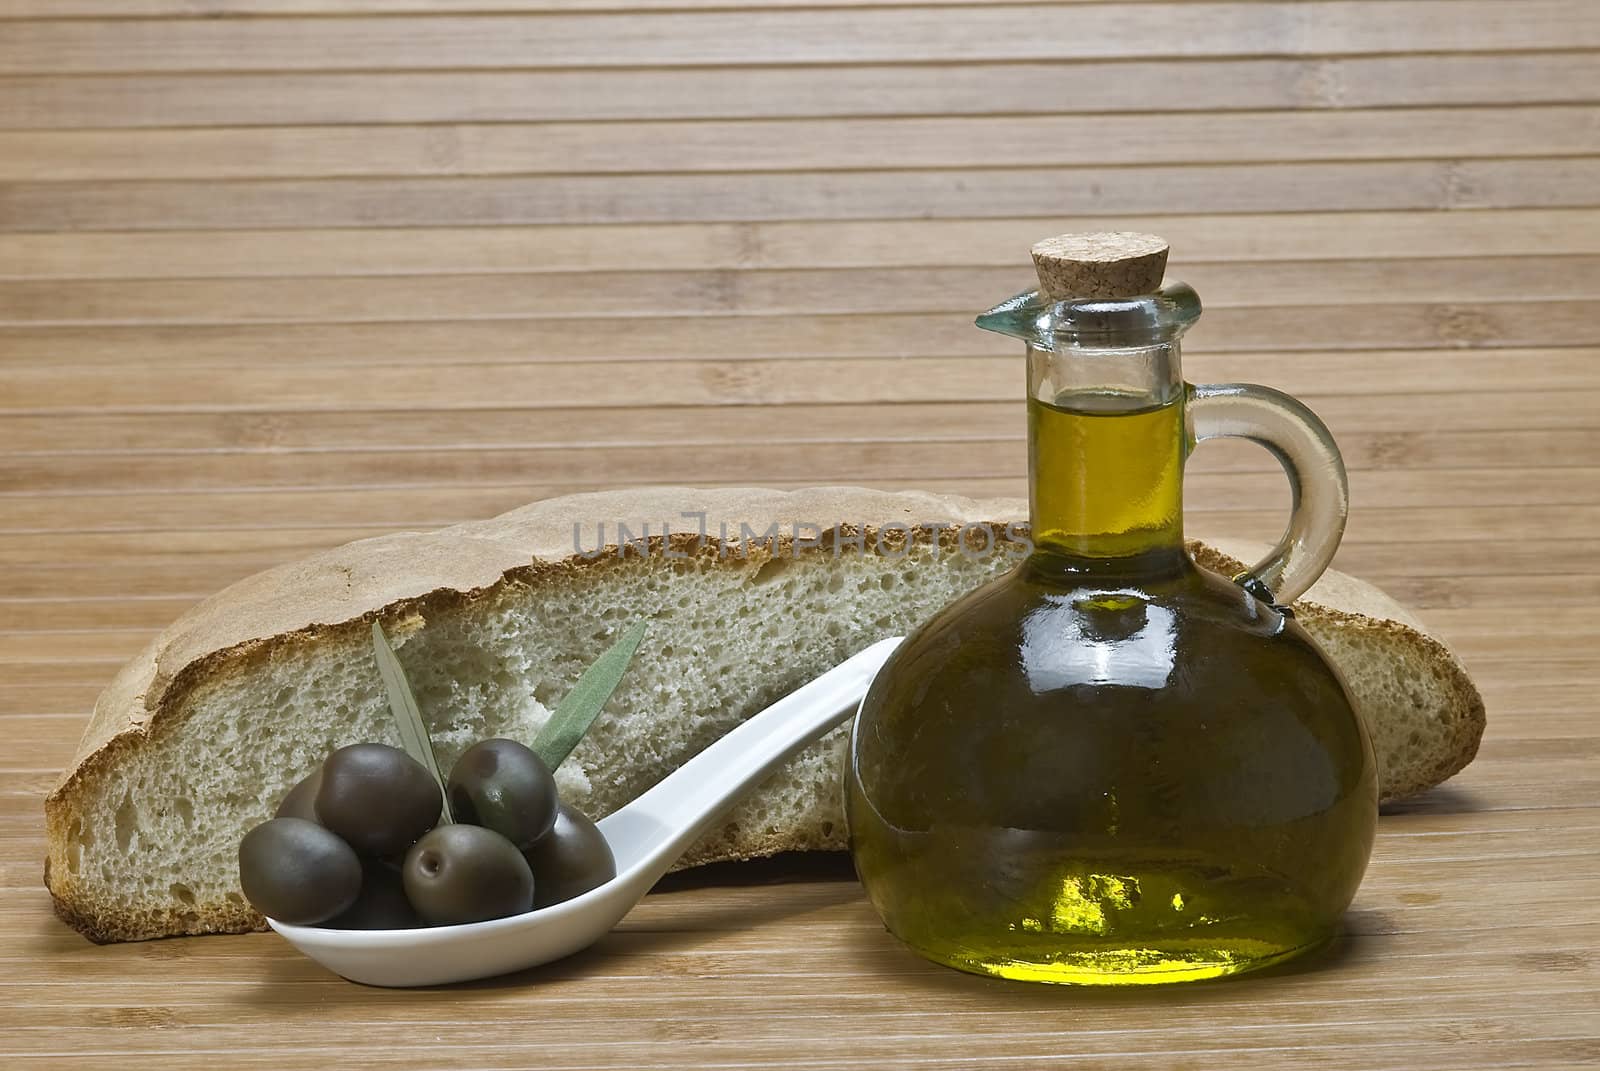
{"points": [[647, 836]]}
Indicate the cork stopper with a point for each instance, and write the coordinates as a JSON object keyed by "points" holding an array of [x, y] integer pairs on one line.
{"points": [[1102, 266]]}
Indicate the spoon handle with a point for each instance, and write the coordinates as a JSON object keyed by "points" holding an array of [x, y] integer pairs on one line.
{"points": [[649, 834]]}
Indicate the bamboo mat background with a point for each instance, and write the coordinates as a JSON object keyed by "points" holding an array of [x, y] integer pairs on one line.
{"points": [[283, 273]]}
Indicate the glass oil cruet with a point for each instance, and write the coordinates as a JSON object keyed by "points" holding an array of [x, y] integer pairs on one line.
{"points": [[1110, 765]]}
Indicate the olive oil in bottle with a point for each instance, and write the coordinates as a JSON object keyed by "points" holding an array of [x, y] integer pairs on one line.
{"points": [[1110, 766], [1110, 471]]}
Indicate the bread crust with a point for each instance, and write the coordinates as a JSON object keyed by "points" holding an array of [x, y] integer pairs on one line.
{"points": [[300, 602]]}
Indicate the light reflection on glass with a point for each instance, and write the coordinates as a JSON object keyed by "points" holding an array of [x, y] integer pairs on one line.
{"points": [[1103, 637]]}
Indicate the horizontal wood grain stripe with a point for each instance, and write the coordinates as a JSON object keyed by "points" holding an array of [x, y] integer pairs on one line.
{"points": [[1482, 233], [262, 388], [652, 948], [36, 354], [24, 790], [192, 1007], [796, 144], [1487, 557], [39, 676], [1219, 465], [775, 453], [245, 99], [1563, 182], [734, 930], [276, 544], [1384, 518], [190, 519], [1224, 505], [191, 573], [36, 742], [1459, 281], [781, 455], [758, 462], [188, 9], [658, 957], [1402, 422], [392, 510], [117, 613], [1427, 593], [1013, 1032], [1478, 631], [626, 966], [81, 648], [47, 358], [1557, 717], [50, 700], [1073, 31], [830, 1043]]}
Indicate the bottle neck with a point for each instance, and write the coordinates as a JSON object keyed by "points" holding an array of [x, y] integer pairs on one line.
{"points": [[1106, 444]]}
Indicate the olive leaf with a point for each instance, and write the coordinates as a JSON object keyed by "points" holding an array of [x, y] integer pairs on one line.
{"points": [[407, 718], [578, 710]]}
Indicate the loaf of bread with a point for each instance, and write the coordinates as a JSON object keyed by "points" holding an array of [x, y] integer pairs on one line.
{"points": [[750, 594]]}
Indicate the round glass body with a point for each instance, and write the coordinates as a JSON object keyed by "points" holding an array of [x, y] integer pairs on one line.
{"points": [[1077, 776]]}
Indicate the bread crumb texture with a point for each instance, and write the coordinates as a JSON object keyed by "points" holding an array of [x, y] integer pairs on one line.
{"points": [[726, 639]]}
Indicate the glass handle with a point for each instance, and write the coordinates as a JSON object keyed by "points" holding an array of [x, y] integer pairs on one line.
{"points": [[1303, 445]]}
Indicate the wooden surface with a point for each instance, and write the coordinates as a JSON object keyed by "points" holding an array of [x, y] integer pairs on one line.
{"points": [[333, 267]]}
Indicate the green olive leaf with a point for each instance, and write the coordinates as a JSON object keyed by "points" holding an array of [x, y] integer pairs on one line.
{"points": [[407, 718], [578, 710]]}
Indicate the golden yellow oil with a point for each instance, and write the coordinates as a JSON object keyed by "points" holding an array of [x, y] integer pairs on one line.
{"points": [[1108, 472], [1110, 766]]}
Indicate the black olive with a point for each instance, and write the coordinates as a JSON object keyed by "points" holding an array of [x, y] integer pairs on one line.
{"points": [[301, 800], [570, 860], [382, 904], [464, 873], [501, 785], [296, 871], [377, 797]]}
